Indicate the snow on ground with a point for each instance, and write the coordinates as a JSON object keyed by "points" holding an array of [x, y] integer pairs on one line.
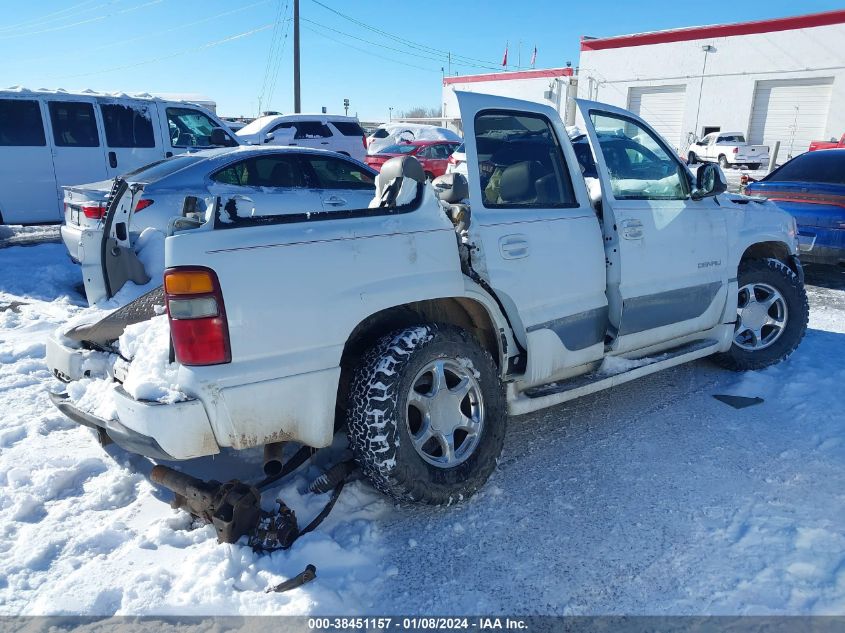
{"points": [[652, 498]]}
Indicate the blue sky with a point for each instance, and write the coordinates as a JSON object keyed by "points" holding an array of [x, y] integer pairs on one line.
{"points": [[378, 53]]}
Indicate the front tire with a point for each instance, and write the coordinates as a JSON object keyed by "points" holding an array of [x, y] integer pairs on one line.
{"points": [[772, 314], [426, 414]]}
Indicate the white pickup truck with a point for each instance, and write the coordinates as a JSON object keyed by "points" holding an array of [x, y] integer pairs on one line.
{"points": [[728, 148], [421, 322]]}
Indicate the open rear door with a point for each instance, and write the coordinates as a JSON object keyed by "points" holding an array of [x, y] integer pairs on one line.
{"points": [[536, 238], [108, 259], [668, 254]]}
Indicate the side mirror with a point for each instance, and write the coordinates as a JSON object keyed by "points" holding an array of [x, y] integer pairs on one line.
{"points": [[451, 188], [220, 138], [709, 181], [269, 137]]}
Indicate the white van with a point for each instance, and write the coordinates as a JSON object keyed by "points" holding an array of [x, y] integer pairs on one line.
{"points": [[341, 134], [53, 138]]}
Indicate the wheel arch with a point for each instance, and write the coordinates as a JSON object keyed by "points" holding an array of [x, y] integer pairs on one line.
{"points": [[772, 250], [467, 313]]}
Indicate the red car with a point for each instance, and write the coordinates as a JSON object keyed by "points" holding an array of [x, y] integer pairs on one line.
{"points": [[434, 155]]}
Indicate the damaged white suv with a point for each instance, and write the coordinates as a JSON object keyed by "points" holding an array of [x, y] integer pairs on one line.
{"points": [[422, 321]]}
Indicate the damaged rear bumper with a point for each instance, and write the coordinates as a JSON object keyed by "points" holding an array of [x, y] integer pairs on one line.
{"points": [[172, 431]]}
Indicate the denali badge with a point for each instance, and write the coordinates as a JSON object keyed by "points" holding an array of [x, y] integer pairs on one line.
{"points": [[713, 262]]}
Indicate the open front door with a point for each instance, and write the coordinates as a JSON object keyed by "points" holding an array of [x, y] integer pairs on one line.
{"points": [[668, 254], [536, 238]]}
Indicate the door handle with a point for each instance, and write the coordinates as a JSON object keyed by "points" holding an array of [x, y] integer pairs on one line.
{"points": [[334, 201], [324, 142], [113, 159], [632, 229], [513, 246]]}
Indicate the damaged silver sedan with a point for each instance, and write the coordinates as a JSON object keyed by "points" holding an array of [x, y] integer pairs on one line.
{"points": [[159, 198]]}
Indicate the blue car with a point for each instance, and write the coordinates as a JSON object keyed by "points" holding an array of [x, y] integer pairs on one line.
{"points": [[811, 187]]}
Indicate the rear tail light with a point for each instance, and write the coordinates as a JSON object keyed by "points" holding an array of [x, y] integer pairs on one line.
{"points": [[143, 204], [94, 211], [452, 159], [364, 140], [736, 150], [198, 325], [743, 180]]}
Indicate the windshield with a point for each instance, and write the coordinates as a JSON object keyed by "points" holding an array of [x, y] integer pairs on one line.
{"points": [[826, 167], [399, 149], [256, 126], [160, 169]]}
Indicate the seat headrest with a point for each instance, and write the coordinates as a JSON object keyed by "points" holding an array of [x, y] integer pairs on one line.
{"points": [[403, 167], [519, 182], [451, 188]]}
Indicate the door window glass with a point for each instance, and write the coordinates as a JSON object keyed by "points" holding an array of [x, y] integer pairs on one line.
{"points": [[189, 127], [127, 125], [21, 124], [349, 128], [640, 168], [311, 129], [263, 171], [520, 162], [73, 124], [335, 173]]}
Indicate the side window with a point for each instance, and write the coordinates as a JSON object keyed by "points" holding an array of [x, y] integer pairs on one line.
{"points": [[425, 152], [73, 124], [640, 168], [282, 126], [263, 171], [232, 175], [21, 124], [520, 162], [127, 125], [311, 130], [381, 133], [335, 173], [349, 128], [189, 127], [442, 151]]}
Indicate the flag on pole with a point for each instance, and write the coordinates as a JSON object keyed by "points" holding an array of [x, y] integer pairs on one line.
{"points": [[505, 56], [534, 57]]}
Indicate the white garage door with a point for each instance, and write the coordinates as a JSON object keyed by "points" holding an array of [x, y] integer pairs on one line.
{"points": [[792, 111], [662, 107]]}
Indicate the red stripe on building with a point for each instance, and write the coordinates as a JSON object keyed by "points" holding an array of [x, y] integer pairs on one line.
{"points": [[516, 74], [717, 30]]}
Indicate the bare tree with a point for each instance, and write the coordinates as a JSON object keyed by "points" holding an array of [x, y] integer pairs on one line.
{"points": [[420, 112]]}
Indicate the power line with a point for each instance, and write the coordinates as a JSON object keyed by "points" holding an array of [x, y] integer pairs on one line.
{"points": [[444, 54], [274, 75], [275, 39], [184, 51], [88, 21], [363, 50], [123, 42], [49, 17]]}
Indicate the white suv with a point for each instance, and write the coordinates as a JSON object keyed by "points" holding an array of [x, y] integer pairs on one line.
{"points": [[341, 134]]}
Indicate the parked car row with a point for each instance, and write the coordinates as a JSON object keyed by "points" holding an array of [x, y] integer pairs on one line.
{"points": [[49, 139], [432, 155]]}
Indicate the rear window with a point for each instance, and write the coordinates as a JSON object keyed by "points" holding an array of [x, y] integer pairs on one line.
{"points": [[73, 124], [825, 167], [731, 138], [398, 149], [159, 169], [349, 128], [127, 125], [21, 124], [380, 133]]}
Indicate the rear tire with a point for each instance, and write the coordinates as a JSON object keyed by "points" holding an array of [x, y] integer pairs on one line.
{"points": [[723, 161], [754, 166], [772, 314], [409, 393], [692, 159]]}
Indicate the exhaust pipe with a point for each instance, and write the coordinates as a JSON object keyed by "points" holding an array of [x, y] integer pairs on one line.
{"points": [[273, 458]]}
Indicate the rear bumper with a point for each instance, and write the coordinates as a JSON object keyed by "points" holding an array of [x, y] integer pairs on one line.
{"points": [[160, 431], [72, 237], [821, 245]]}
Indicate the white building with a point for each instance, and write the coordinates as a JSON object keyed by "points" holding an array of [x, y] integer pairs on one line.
{"points": [[775, 80], [548, 85]]}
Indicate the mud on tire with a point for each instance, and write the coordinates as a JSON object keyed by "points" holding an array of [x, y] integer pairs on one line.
{"points": [[777, 275], [378, 419]]}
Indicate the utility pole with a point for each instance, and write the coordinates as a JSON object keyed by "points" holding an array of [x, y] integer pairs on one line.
{"points": [[297, 102]]}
